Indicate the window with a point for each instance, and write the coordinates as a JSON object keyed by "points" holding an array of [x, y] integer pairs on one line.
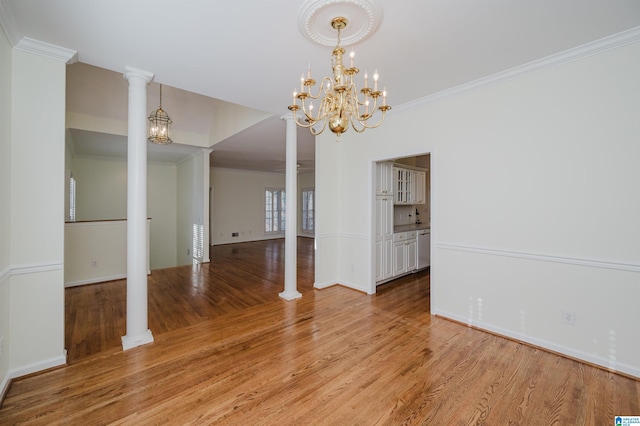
{"points": [[198, 243], [275, 213], [72, 199], [308, 210]]}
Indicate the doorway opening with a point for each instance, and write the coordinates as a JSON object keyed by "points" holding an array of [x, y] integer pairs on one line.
{"points": [[401, 218]]}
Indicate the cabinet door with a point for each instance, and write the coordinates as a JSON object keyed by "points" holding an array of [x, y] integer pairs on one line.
{"points": [[399, 260], [409, 190], [379, 260], [384, 217], [384, 237], [384, 178], [420, 181], [387, 262], [380, 217], [398, 186], [412, 254]]}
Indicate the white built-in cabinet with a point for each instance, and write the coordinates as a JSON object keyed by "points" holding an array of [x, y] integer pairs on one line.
{"points": [[409, 186], [403, 190], [419, 187], [384, 221], [405, 252], [384, 237], [384, 178], [396, 254]]}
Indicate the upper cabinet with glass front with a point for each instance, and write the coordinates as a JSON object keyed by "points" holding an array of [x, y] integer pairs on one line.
{"points": [[409, 185], [403, 185]]}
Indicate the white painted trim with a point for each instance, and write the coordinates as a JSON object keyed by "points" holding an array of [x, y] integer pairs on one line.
{"points": [[344, 235], [39, 366], [613, 41], [355, 286], [34, 269], [594, 263], [47, 50], [129, 342], [291, 295], [321, 286], [587, 357], [4, 386], [352, 286], [95, 280]]}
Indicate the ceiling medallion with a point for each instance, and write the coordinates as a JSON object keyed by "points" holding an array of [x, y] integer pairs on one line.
{"points": [[364, 17]]}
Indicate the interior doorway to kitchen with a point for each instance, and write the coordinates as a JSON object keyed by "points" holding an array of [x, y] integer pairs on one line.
{"points": [[401, 218]]}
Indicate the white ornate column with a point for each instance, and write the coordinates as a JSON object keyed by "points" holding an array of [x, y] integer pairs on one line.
{"points": [[291, 227], [138, 332]]}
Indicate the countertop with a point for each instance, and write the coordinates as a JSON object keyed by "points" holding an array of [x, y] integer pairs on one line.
{"points": [[411, 227]]}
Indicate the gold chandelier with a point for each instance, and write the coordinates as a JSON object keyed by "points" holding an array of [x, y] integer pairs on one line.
{"points": [[160, 125], [340, 104]]}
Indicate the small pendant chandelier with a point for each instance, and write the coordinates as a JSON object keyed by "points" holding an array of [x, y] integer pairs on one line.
{"points": [[340, 105], [160, 125]]}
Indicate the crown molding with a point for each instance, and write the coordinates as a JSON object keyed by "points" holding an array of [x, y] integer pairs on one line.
{"points": [[47, 50], [596, 47]]}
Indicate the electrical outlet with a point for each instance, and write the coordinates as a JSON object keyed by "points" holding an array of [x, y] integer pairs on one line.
{"points": [[235, 234], [568, 317]]}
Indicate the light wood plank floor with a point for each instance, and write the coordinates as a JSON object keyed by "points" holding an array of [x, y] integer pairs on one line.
{"points": [[228, 350]]}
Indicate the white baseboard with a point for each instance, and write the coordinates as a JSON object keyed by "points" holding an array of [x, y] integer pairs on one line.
{"points": [[4, 386], [99, 280], [29, 369], [327, 284], [600, 361], [95, 280], [347, 284], [39, 366]]}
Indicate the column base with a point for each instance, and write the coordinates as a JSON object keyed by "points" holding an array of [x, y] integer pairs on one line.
{"points": [[129, 342], [290, 295]]}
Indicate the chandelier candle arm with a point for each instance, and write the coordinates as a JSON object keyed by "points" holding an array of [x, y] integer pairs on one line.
{"points": [[340, 104]]}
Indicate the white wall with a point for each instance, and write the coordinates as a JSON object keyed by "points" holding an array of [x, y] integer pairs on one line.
{"points": [[535, 205], [5, 211], [193, 209], [238, 204], [101, 188]]}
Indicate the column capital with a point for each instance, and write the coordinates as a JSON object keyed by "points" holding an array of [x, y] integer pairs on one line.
{"points": [[287, 117], [135, 73]]}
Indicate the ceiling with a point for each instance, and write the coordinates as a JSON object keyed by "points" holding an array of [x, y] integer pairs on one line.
{"points": [[252, 52]]}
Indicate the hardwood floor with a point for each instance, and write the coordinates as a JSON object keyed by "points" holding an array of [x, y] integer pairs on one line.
{"points": [[239, 276], [228, 350]]}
